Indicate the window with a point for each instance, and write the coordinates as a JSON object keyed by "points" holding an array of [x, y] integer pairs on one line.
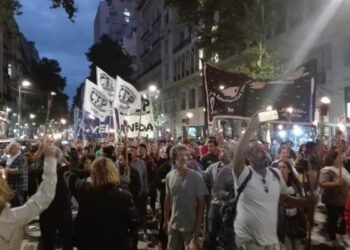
{"points": [[192, 99], [183, 101], [166, 72], [324, 54], [192, 60]]}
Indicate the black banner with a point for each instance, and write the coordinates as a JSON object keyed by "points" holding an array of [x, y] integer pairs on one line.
{"points": [[230, 95]]}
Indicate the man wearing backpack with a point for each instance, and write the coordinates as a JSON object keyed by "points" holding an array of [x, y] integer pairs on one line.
{"points": [[220, 178], [255, 223]]}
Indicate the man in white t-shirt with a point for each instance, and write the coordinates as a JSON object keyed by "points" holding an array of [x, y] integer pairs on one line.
{"points": [[257, 208]]}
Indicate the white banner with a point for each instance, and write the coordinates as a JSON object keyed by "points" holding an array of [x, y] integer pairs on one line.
{"points": [[95, 101], [106, 83], [128, 99], [141, 124]]}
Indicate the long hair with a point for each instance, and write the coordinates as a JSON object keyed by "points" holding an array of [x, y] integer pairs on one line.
{"points": [[330, 158], [103, 173], [292, 177], [5, 194]]}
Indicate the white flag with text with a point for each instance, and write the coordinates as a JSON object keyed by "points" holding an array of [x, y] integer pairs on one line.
{"points": [[95, 101]]}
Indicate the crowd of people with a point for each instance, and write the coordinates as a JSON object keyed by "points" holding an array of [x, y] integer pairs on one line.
{"points": [[112, 185]]}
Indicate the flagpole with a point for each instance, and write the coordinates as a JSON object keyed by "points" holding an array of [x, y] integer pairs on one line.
{"points": [[204, 94]]}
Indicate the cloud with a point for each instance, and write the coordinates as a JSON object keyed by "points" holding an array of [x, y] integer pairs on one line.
{"points": [[56, 37]]}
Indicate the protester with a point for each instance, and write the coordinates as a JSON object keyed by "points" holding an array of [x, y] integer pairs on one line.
{"points": [[335, 189], [162, 172], [258, 205], [12, 220], [292, 224], [184, 201], [212, 155], [106, 216], [17, 174], [142, 198], [220, 178]]}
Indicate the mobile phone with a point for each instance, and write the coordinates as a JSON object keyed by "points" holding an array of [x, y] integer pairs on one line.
{"points": [[268, 116], [64, 142]]}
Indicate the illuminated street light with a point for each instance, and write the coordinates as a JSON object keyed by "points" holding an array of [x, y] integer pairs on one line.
{"points": [[325, 100], [33, 123], [221, 87], [290, 110], [26, 83], [152, 88], [269, 108], [189, 115], [63, 121], [31, 116], [168, 130], [53, 93], [8, 109]]}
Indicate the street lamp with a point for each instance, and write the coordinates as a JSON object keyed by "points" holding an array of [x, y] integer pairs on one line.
{"points": [[325, 101], [152, 88], [31, 116], [185, 122], [24, 83], [290, 111], [63, 121]]}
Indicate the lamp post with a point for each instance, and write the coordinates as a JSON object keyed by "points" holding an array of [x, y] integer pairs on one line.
{"points": [[185, 122], [289, 113], [24, 83], [325, 101], [49, 105]]}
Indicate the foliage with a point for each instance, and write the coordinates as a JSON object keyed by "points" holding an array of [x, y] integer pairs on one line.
{"points": [[8, 7], [230, 27], [77, 101], [111, 58], [45, 77]]}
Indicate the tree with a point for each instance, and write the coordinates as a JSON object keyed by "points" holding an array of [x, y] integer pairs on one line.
{"points": [[45, 77], [14, 6], [110, 56], [77, 99], [233, 27]]}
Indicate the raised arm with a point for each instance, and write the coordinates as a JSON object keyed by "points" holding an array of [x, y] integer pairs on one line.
{"points": [[46, 192], [242, 146]]}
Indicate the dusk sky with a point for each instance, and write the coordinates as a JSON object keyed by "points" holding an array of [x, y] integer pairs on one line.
{"points": [[56, 37]]}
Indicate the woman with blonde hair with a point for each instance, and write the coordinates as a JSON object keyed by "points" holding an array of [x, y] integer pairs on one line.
{"points": [[107, 216], [12, 220]]}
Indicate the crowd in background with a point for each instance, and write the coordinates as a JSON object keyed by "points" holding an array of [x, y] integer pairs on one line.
{"points": [[111, 186]]}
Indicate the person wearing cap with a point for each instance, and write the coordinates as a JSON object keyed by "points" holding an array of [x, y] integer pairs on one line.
{"points": [[13, 220]]}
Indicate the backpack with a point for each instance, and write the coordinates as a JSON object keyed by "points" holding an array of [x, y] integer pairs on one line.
{"points": [[228, 212]]}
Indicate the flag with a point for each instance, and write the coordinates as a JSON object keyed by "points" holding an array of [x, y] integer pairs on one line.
{"points": [[127, 99], [95, 101], [108, 84], [231, 95]]}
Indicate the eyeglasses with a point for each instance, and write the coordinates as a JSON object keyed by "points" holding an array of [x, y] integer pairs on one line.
{"points": [[266, 188]]}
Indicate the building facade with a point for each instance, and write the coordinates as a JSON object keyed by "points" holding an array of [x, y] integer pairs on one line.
{"points": [[116, 18], [167, 58], [306, 30]]}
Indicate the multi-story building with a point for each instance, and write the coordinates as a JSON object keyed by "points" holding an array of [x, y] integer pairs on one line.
{"points": [[17, 55], [307, 29], [116, 18], [168, 59]]}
